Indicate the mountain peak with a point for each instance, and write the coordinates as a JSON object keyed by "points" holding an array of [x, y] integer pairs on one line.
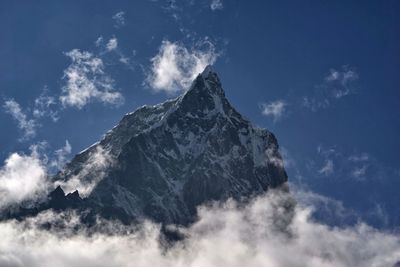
{"points": [[207, 71], [205, 96], [167, 159], [210, 76]]}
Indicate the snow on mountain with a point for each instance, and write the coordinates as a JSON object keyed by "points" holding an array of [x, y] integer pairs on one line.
{"points": [[161, 162]]}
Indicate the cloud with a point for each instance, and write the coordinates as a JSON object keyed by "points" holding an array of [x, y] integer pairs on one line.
{"points": [[46, 106], [216, 5], [327, 169], [93, 172], [249, 232], [359, 172], [27, 126], [175, 66], [87, 81], [119, 19], [112, 44], [336, 85], [359, 157], [22, 178], [273, 157], [61, 156], [274, 109]]}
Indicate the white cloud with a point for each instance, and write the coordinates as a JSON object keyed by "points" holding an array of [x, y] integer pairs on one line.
{"points": [[327, 169], [45, 106], [216, 5], [112, 44], [87, 81], [61, 156], [99, 41], [28, 126], [274, 109], [359, 157], [175, 66], [22, 178], [274, 158], [336, 85], [359, 172], [250, 233], [119, 19], [92, 173]]}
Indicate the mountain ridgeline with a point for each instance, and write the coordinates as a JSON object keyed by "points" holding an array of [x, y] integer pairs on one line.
{"points": [[161, 162]]}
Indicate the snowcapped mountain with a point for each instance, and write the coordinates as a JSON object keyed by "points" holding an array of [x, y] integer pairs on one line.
{"points": [[161, 162]]}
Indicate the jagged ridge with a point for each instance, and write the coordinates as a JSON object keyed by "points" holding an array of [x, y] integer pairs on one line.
{"points": [[165, 160]]}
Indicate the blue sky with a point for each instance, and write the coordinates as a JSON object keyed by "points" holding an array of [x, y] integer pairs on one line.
{"points": [[322, 75]]}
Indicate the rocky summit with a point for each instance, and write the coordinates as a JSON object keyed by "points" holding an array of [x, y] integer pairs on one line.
{"points": [[161, 162]]}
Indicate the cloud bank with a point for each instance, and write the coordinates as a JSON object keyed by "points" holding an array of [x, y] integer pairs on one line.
{"points": [[175, 66], [267, 231], [226, 234]]}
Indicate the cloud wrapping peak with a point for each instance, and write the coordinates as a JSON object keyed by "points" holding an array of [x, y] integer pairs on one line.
{"points": [[93, 172], [175, 66], [87, 81]]}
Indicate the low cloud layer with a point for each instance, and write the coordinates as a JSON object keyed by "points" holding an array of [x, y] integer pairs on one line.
{"points": [[175, 66], [268, 231], [226, 234]]}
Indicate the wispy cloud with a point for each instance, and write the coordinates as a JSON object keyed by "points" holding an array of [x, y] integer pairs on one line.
{"points": [[119, 19], [274, 109], [216, 5], [336, 85], [112, 44], [46, 106], [175, 66], [26, 125], [93, 172], [327, 168], [61, 155], [86, 80]]}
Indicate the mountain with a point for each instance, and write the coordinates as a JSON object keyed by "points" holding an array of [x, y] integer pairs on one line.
{"points": [[161, 162]]}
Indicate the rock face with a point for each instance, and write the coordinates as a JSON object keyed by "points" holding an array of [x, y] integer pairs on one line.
{"points": [[161, 162]]}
